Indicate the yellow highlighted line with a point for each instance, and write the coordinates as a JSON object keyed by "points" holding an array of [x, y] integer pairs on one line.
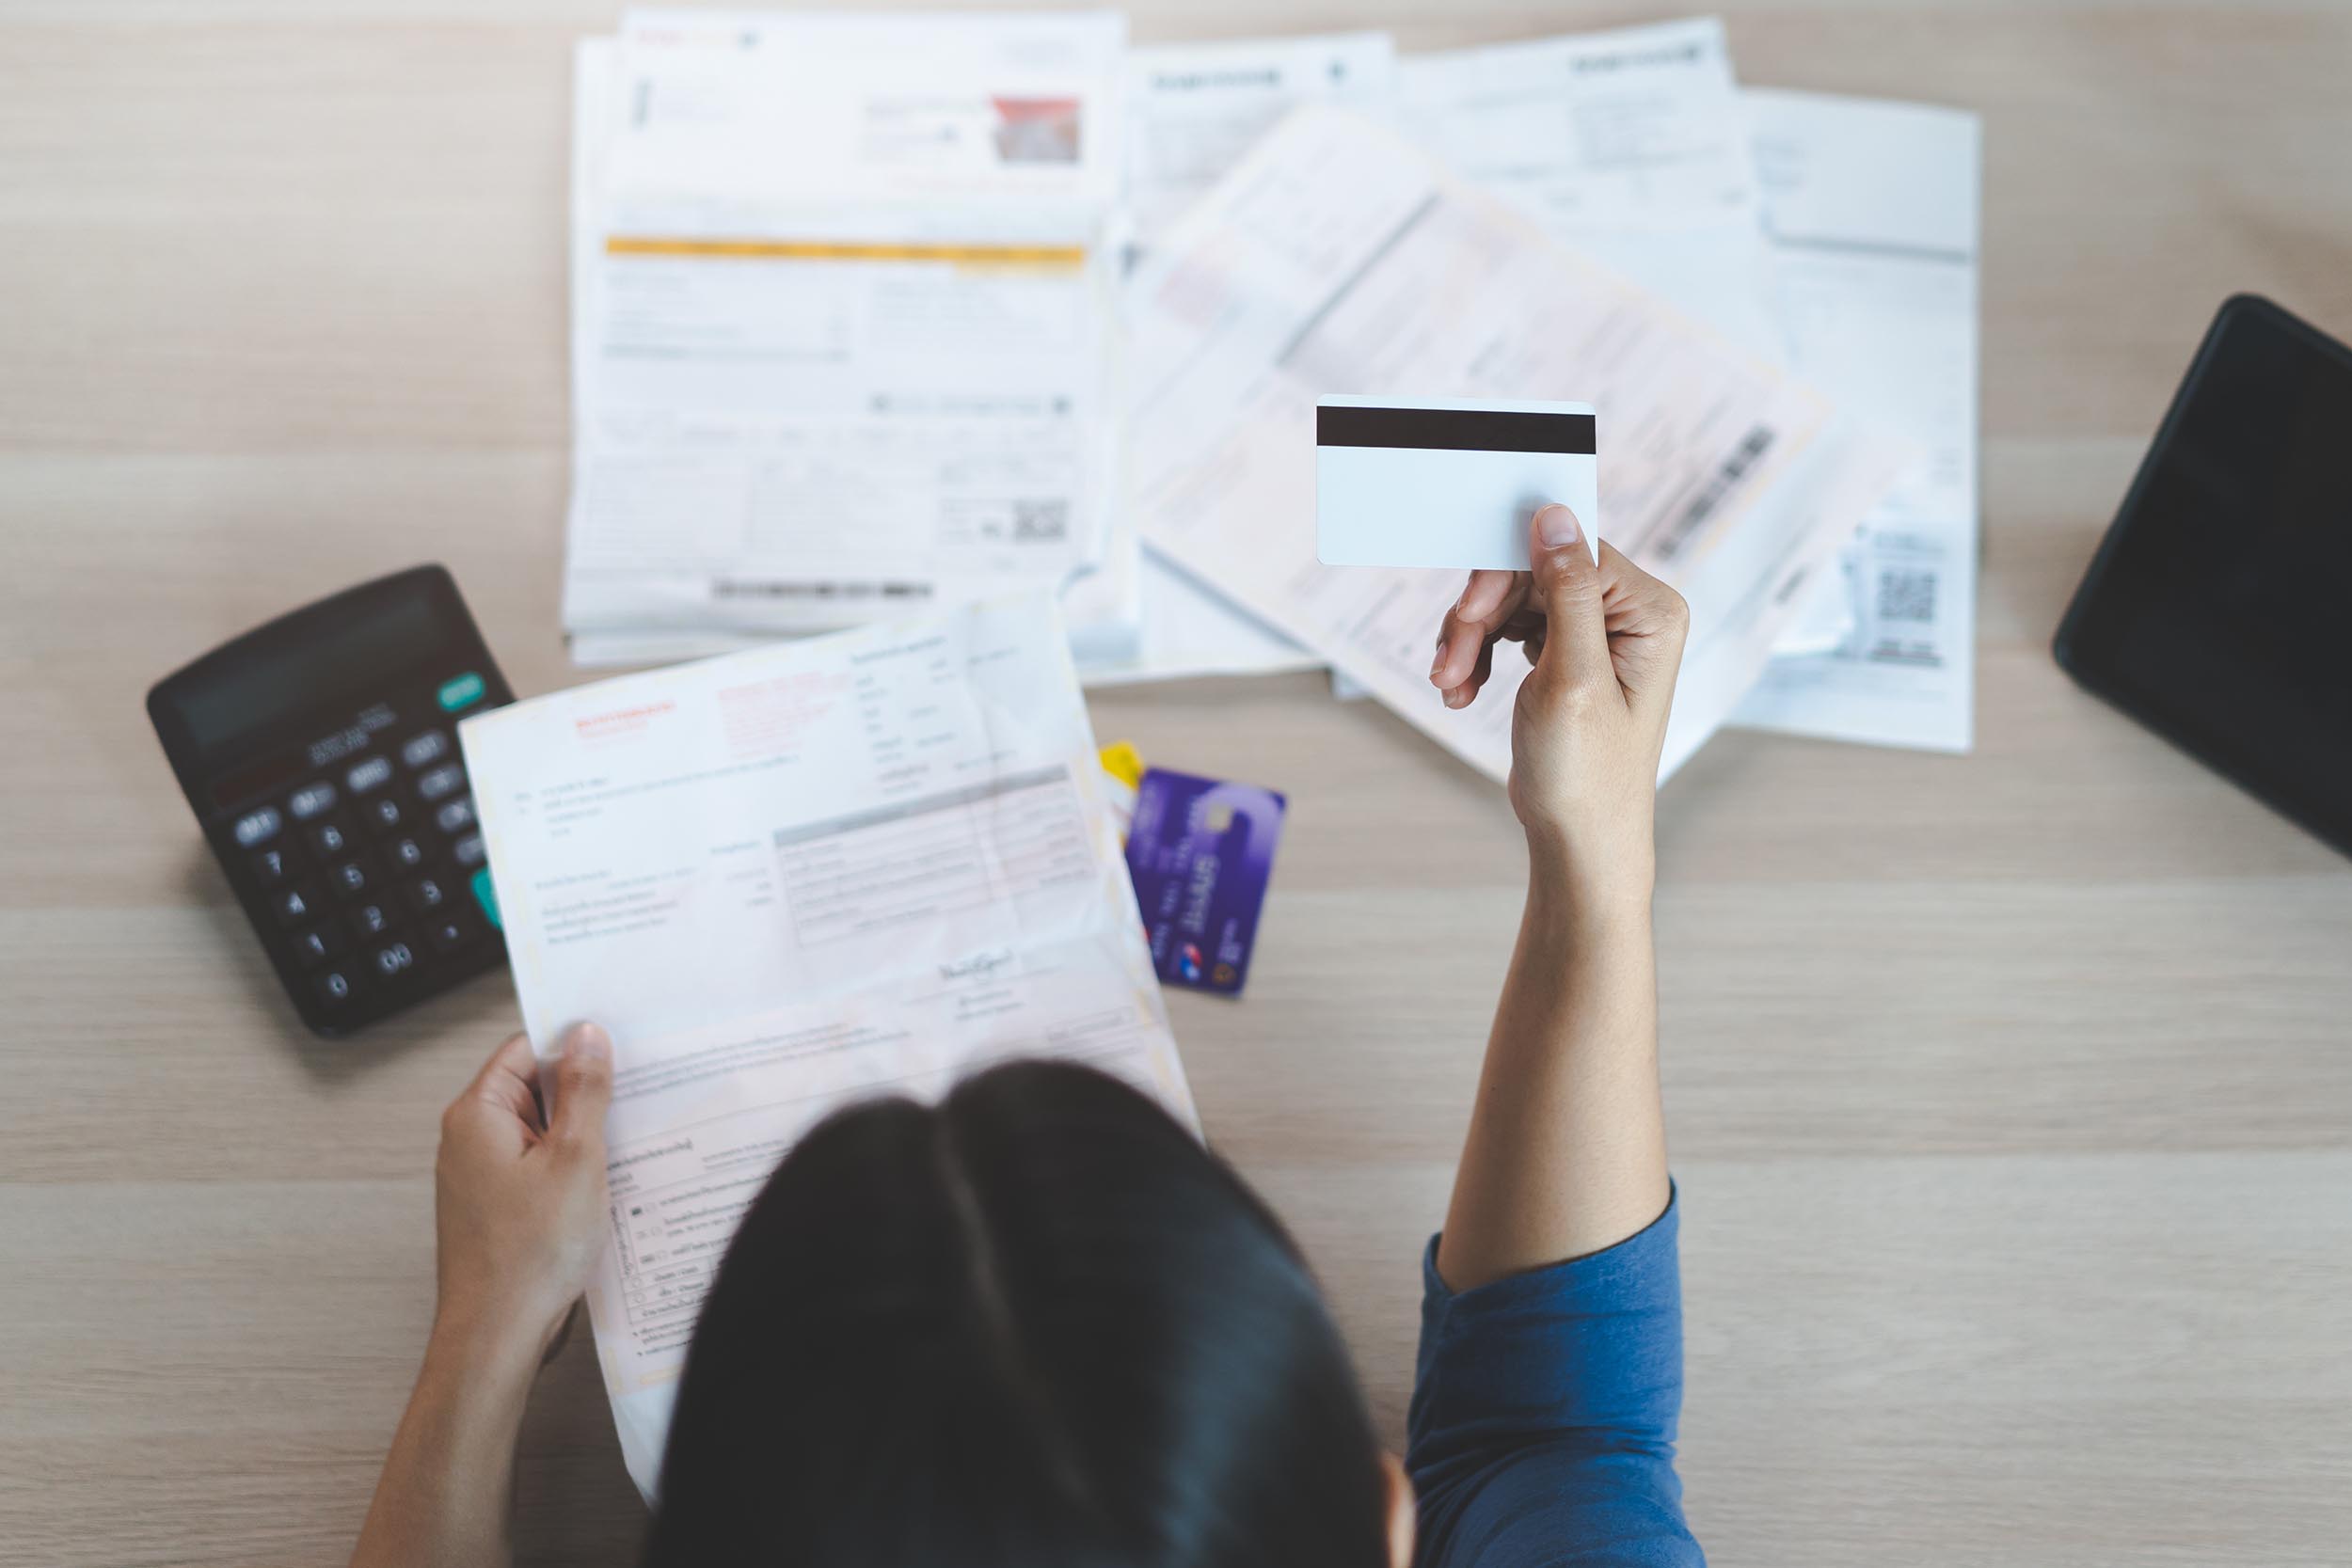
{"points": [[850, 250]]}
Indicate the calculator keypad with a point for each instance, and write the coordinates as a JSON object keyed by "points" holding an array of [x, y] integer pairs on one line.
{"points": [[317, 944], [393, 867]]}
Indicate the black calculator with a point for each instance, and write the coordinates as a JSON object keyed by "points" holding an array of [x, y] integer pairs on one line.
{"points": [[320, 756]]}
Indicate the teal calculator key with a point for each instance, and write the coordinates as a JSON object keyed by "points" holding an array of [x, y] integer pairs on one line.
{"points": [[487, 897], [460, 691]]}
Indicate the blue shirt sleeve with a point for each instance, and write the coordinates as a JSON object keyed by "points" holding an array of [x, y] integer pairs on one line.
{"points": [[1542, 1428]]}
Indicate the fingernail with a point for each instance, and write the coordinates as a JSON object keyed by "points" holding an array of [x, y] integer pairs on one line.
{"points": [[1439, 663], [590, 1040], [1555, 525], [1456, 696]]}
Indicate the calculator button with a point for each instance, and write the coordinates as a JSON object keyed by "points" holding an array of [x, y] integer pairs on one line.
{"points": [[455, 817], [329, 838], [467, 850], [406, 854], [427, 894], [382, 814], [349, 879], [311, 800], [371, 920], [392, 958], [446, 935], [317, 944], [366, 775], [294, 906], [441, 781], [255, 826], [460, 691], [420, 749], [487, 894], [269, 867], [333, 988]]}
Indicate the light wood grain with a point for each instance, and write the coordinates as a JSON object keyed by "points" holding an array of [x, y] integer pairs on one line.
{"points": [[2010, 1095]]}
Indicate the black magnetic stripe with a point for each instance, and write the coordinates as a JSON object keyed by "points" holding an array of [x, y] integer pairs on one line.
{"points": [[1455, 430]]}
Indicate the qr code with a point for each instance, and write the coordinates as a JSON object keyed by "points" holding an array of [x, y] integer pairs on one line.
{"points": [[1039, 519], [1906, 595]]}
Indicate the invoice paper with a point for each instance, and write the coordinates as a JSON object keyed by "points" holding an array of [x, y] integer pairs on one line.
{"points": [[1193, 109], [847, 337], [1150, 621], [1190, 629], [1629, 145], [1339, 259], [1187, 631], [789, 879], [1873, 220]]}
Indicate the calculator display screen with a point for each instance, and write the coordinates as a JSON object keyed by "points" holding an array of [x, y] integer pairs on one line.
{"points": [[263, 778], [362, 653]]}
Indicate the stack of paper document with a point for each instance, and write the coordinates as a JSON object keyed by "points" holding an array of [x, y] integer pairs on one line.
{"points": [[856, 864], [888, 310], [844, 317], [1341, 256]]}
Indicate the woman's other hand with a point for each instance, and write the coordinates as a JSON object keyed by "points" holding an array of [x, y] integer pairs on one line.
{"points": [[1605, 642], [518, 1206], [519, 1191]]}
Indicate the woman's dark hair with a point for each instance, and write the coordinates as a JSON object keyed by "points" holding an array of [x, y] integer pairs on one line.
{"points": [[1038, 1325]]}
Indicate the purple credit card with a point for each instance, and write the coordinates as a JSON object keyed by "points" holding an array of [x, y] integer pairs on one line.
{"points": [[1201, 852]]}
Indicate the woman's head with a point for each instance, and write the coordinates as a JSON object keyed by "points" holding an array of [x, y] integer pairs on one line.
{"points": [[1036, 1324]]}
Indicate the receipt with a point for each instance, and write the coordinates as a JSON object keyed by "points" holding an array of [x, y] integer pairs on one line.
{"points": [[1873, 211], [794, 878], [1339, 257]]}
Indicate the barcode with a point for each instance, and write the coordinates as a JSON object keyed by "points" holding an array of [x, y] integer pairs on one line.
{"points": [[1906, 595], [1695, 516], [737, 587]]}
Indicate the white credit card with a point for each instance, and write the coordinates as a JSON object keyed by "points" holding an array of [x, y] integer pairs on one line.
{"points": [[1443, 482]]}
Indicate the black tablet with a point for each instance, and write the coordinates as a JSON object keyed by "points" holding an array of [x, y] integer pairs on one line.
{"points": [[2218, 610]]}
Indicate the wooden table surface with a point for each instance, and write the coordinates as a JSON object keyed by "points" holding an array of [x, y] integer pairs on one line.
{"points": [[2010, 1095]]}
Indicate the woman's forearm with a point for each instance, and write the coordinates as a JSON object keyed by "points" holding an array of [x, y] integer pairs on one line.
{"points": [[448, 1483], [1566, 1151]]}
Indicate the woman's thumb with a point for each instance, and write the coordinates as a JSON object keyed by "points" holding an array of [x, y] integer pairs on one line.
{"points": [[583, 1084], [1567, 587]]}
